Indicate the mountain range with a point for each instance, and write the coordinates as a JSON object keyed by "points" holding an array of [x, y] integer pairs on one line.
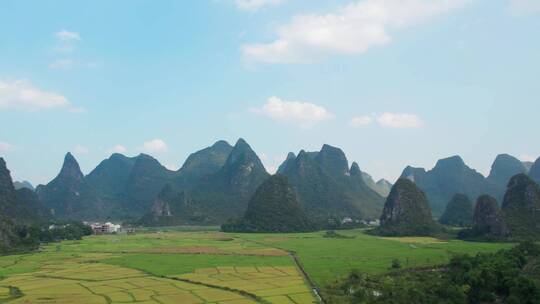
{"points": [[451, 176], [18, 207], [216, 184], [119, 187]]}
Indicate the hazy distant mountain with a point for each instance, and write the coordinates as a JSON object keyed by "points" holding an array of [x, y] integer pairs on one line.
{"points": [[24, 184], [448, 177], [273, 208], [406, 212], [216, 197], [19, 206], [66, 193], [289, 160], [521, 207], [384, 187], [119, 187], [204, 162], [504, 167], [534, 172], [528, 165], [326, 187], [459, 211]]}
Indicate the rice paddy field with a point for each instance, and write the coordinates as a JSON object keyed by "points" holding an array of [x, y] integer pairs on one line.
{"points": [[208, 266]]}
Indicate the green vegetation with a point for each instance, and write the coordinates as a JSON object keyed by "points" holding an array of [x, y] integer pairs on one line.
{"points": [[501, 277], [326, 187], [222, 193], [246, 265], [459, 212], [119, 187], [176, 264], [406, 212], [273, 208], [488, 223], [328, 259], [521, 207], [504, 167]]}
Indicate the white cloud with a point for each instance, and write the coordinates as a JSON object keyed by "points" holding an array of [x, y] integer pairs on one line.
{"points": [[304, 114], [254, 5], [352, 29], [80, 150], [22, 95], [399, 120], [155, 146], [64, 35], [61, 64], [524, 7], [117, 149], [5, 147], [359, 121]]}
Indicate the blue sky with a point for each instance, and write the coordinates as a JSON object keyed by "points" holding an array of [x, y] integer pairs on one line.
{"points": [[391, 82]]}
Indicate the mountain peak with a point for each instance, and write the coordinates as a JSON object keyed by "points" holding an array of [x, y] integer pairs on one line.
{"points": [[412, 173], [504, 167], [355, 169], [384, 182], [534, 172], [71, 168], [520, 206], [6, 183], [290, 158], [333, 160], [221, 144], [206, 161], [406, 211], [241, 143], [450, 162]]}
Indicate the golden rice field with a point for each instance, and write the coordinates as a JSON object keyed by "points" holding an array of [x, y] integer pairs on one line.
{"points": [[279, 284]]}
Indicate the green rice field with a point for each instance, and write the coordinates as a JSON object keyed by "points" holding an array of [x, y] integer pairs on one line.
{"points": [[178, 266]]}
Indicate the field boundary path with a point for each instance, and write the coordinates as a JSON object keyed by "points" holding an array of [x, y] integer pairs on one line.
{"points": [[240, 292], [298, 265]]}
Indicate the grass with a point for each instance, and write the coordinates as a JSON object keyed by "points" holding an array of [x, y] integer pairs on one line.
{"points": [[326, 259], [175, 264], [215, 267]]}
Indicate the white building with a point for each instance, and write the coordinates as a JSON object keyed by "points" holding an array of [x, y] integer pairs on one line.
{"points": [[106, 228]]}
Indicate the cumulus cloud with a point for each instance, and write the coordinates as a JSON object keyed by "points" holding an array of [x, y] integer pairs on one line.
{"points": [[5, 147], [359, 121], [304, 114], [399, 120], [23, 95], [118, 149], [388, 120], [64, 35], [155, 146], [352, 29], [254, 5]]}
